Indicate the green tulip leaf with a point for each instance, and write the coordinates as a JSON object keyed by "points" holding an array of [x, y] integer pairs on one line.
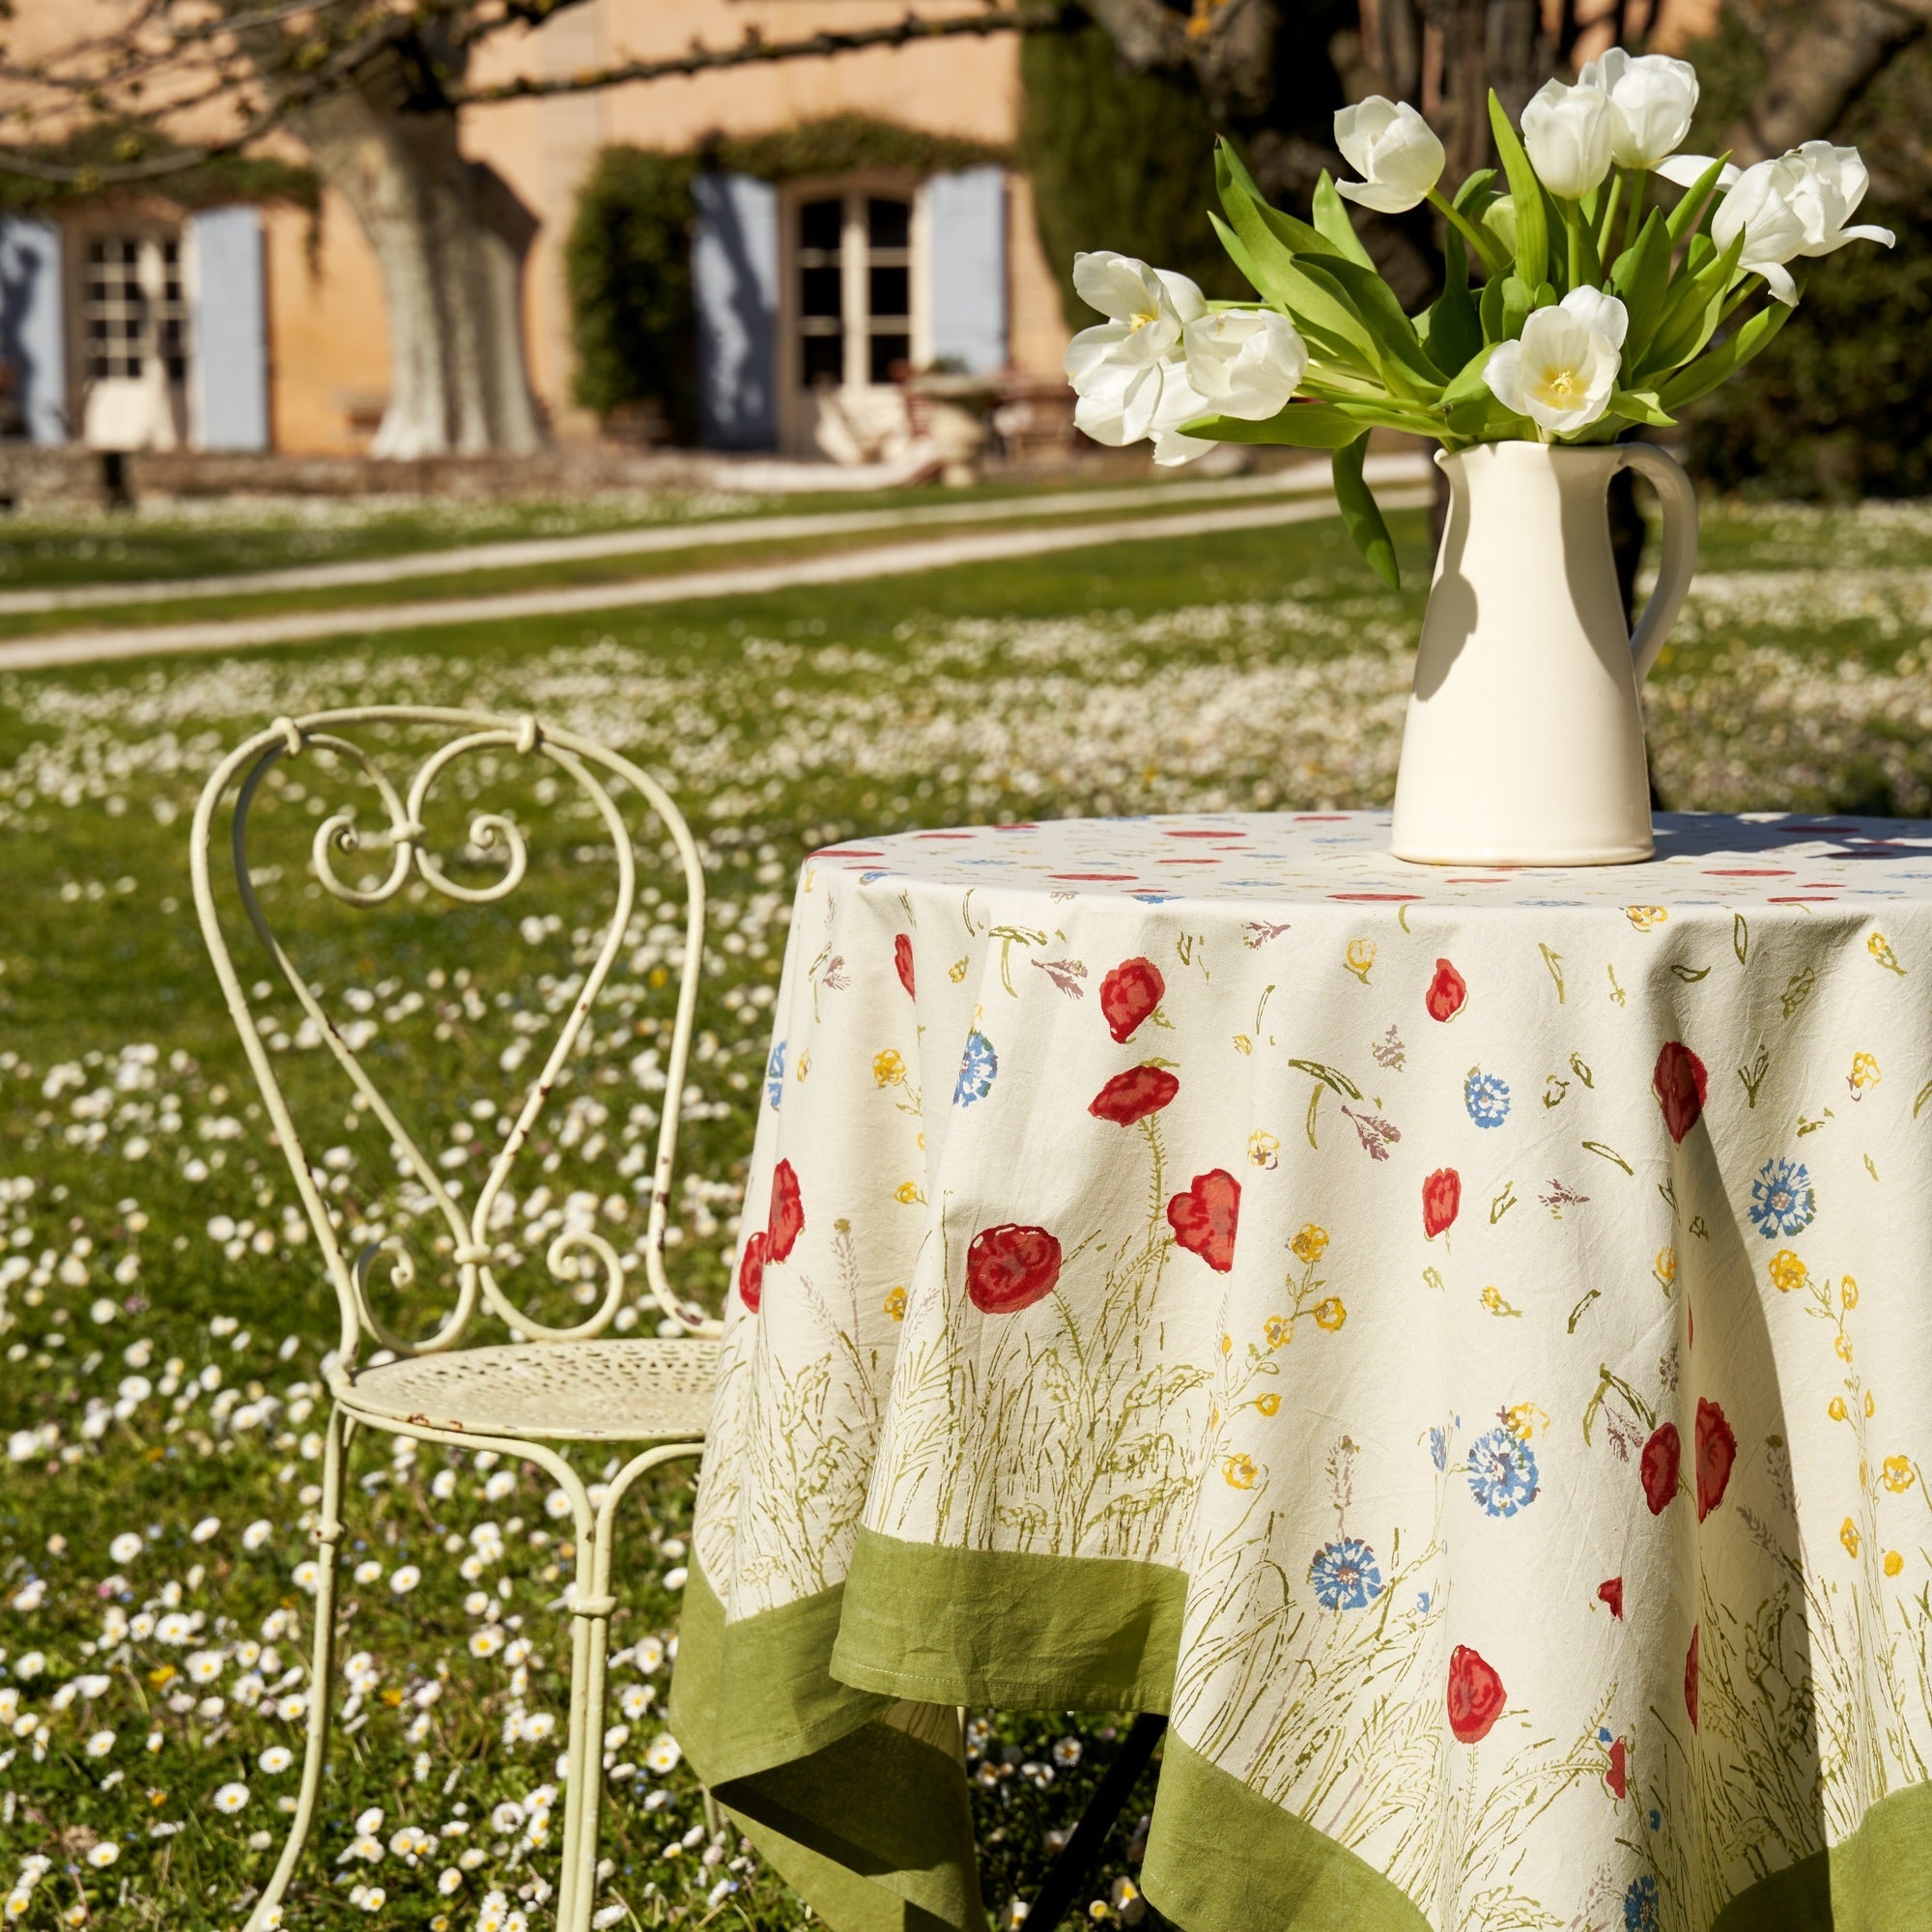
{"points": [[1639, 406], [1468, 384], [1701, 376], [1331, 221], [1532, 226], [1638, 280], [1689, 213], [1361, 514], [1300, 426]]}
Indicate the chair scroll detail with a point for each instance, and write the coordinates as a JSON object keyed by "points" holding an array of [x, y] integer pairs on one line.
{"points": [[552, 1382]]}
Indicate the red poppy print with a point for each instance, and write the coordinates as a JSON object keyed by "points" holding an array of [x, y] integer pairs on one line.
{"points": [[1610, 1591], [1010, 1267], [1133, 1095], [1448, 992], [1128, 994], [1204, 1217], [1617, 1776], [902, 961], [1476, 1695], [785, 1223], [752, 1273], [1680, 1084], [1690, 1675], [1716, 1451], [1658, 1467], [1441, 1201]]}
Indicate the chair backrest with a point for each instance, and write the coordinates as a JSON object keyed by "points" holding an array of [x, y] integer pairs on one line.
{"points": [[325, 737]]}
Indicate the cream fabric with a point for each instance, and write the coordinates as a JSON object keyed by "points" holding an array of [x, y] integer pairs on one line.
{"points": [[1501, 1296]]}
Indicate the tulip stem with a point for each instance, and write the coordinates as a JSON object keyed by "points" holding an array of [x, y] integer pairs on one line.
{"points": [[1573, 223], [1607, 217], [1634, 224], [1486, 248]]}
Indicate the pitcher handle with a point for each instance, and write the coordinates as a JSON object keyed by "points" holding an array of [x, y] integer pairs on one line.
{"points": [[1679, 562]]}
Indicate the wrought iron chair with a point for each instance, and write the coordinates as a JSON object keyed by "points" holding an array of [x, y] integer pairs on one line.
{"points": [[548, 1385]]}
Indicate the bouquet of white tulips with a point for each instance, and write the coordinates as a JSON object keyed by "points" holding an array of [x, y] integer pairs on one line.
{"points": [[1572, 308]]}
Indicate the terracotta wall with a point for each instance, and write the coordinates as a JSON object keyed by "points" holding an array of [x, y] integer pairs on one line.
{"points": [[328, 344]]}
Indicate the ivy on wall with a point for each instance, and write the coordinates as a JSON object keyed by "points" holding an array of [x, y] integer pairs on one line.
{"points": [[627, 258], [214, 183]]}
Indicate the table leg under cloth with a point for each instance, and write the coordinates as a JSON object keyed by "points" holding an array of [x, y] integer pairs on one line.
{"points": [[1459, 1345]]}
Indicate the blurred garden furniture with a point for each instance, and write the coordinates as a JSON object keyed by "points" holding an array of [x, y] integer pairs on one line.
{"points": [[1454, 1339], [546, 1385]]}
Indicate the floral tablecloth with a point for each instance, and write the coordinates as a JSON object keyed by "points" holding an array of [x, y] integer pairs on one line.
{"points": [[1459, 1342]]}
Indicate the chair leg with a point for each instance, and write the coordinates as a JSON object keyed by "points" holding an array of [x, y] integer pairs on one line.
{"points": [[1081, 1853], [591, 1645], [322, 1673]]}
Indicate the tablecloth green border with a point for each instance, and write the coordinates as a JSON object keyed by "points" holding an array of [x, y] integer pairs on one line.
{"points": [[874, 1827]]}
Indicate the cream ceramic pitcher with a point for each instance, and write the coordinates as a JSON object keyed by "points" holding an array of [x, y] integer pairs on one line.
{"points": [[1523, 744]]}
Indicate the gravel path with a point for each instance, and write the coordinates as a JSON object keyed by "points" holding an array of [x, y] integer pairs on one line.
{"points": [[523, 553], [80, 647]]}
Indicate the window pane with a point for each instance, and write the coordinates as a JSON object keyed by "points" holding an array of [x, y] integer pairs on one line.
{"points": [[818, 224], [889, 223], [819, 292], [824, 360], [890, 292], [885, 351]]}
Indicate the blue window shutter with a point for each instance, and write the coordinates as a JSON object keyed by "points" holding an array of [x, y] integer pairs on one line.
{"points": [[228, 339], [33, 333], [966, 214], [734, 280]]}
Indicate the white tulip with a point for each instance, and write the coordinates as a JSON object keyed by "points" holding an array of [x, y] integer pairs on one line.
{"points": [[1393, 149], [1246, 361], [1795, 206], [1568, 132], [1563, 370], [1179, 401], [1687, 170], [1121, 369], [1652, 98]]}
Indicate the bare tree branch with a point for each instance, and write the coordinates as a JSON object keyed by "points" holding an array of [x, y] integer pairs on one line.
{"points": [[1822, 69], [750, 51]]}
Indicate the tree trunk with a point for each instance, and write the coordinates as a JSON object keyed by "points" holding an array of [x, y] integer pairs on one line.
{"points": [[1822, 69], [450, 241]]}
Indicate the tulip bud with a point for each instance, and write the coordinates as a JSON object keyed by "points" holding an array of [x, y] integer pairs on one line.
{"points": [[1567, 131], [1393, 149]]}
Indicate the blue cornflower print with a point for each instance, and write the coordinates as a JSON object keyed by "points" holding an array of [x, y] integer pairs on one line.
{"points": [[1345, 1574], [1502, 1472], [1486, 1098], [1641, 1912], [1438, 1447], [978, 1066], [1782, 1198], [774, 1074]]}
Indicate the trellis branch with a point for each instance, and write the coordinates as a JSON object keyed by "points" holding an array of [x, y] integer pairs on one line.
{"points": [[752, 50]]}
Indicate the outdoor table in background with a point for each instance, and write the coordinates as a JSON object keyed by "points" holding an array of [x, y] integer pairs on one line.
{"points": [[1459, 1342]]}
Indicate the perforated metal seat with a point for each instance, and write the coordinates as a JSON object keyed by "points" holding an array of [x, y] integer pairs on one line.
{"points": [[621, 1391]]}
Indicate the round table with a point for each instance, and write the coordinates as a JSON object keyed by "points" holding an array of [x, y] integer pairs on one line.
{"points": [[1459, 1342]]}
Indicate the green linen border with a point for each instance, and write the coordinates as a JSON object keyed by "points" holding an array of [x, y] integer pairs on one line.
{"points": [[1878, 1879], [861, 1816], [1009, 1628]]}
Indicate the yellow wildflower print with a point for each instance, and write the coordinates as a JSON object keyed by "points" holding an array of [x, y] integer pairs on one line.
{"points": [[1848, 1535], [1842, 1348], [1269, 1405], [906, 1193], [1880, 948], [1311, 1244], [1330, 1313], [1243, 1044], [1524, 1420], [1644, 918], [1360, 958], [1239, 1472], [1279, 1329], [956, 972], [1899, 1474], [1893, 1563], [887, 1068], [1664, 1267], [1836, 1408], [804, 1064], [1870, 1403], [1493, 1300], [1263, 1149], [1848, 1292], [1787, 1271], [896, 1303], [1864, 1073], [1226, 1343]]}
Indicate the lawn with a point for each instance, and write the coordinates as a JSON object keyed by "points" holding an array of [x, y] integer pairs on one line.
{"points": [[162, 1316]]}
